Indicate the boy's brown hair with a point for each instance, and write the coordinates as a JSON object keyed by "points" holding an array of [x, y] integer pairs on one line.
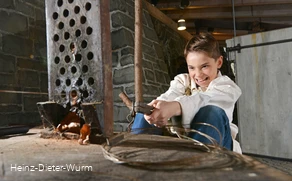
{"points": [[205, 43]]}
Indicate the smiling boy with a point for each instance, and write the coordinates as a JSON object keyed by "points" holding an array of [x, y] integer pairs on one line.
{"points": [[202, 95]]}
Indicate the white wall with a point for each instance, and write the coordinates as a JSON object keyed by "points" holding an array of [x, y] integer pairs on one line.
{"points": [[265, 108]]}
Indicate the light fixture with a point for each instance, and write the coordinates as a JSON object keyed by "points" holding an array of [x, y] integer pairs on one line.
{"points": [[181, 24], [184, 4]]}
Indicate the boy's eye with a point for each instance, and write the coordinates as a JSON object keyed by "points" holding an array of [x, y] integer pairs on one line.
{"points": [[204, 66]]}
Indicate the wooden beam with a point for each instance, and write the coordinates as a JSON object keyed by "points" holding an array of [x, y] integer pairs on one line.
{"points": [[108, 116], [241, 25], [195, 4], [221, 34], [222, 24], [156, 13], [278, 20], [240, 12], [219, 31], [223, 37], [274, 20]]}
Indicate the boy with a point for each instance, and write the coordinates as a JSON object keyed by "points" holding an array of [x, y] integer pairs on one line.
{"points": [[202, 95]]}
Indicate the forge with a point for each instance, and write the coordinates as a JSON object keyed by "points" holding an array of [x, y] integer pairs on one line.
{"points": [[79, 64]]}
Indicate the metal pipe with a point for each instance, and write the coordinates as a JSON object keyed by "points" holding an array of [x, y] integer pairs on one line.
{"points": [[10, 130], [239, 48], [138, 51], [233, 15]]}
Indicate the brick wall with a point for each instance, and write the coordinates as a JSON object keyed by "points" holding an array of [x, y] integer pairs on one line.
{"points": [[23, 66]]}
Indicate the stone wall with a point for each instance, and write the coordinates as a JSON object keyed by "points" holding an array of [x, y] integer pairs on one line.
{"points": [[161, 48], [173, 47], [23, 66]]}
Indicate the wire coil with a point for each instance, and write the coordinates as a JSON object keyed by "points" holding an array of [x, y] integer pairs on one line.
{"points": [[156, 152]]}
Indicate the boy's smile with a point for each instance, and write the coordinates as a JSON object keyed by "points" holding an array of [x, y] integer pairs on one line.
{"points": [[202, 68]]}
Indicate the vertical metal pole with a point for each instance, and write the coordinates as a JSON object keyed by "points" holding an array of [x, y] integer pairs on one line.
{"points": [[138, 51], [233, 16], [107, 67]]}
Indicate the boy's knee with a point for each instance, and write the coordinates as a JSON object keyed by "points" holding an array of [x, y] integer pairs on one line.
{"points": [[212, 115], [211, 111]]}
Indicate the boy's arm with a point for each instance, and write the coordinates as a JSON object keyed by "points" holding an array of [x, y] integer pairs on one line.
{"points": [[177, 88], [222, 92]]}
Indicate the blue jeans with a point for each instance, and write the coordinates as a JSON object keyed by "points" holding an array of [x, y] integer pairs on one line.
{"points": [[141, 126], [209, 114]]}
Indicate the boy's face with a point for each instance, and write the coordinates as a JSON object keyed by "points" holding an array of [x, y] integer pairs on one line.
{"points": [[202, 68]]}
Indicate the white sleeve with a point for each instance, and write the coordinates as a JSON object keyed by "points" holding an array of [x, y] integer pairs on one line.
{"points": [[177, 88]]}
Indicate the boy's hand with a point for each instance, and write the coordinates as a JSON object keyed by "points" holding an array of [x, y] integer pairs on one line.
{"points": [[143, 108], [163, 110]]}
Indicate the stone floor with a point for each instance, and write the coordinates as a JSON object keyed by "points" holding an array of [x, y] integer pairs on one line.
{"points": [[29, 157], [283, 165]]}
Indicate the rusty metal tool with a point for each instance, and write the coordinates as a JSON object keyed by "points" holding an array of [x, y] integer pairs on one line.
{"points": [[137, 106], [143, 108]]}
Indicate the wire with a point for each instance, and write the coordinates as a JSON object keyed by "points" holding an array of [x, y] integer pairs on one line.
{"points": [[178, 152], [156, 152], [121, 157], [210, 125]]}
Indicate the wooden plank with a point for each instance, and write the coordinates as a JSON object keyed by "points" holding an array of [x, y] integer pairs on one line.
{"points": [[166, 20], [108, 115], [275, 20], [226, 12], [195, 4], [206, 23], [220, 36]]}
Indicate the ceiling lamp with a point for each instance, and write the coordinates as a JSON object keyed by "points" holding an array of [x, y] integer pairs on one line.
{"points": [[184, 4], [181, 24]]}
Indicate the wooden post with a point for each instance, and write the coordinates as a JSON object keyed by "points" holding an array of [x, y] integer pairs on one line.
{"points": [[138, 51], [108, 116]]}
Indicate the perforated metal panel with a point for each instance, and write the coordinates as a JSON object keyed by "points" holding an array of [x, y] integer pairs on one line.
{"points": [[74, 49]]}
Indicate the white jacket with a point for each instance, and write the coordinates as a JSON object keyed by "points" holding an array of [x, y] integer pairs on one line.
{"points": [[221, 92]]}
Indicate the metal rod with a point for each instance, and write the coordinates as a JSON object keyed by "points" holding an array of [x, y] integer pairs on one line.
{"points": [[18, 129], [233, 16], [238, 47], [23, 92], [107, 65], [138, 51]]}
